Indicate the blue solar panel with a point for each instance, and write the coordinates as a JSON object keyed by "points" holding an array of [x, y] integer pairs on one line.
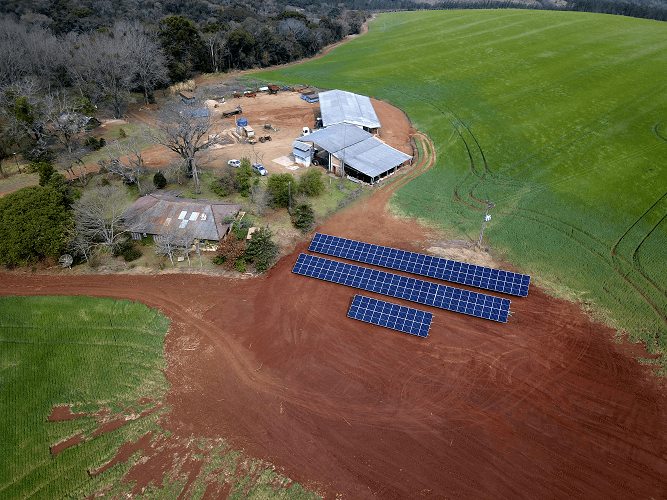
{"points": [[402, 287], [425, 265], [381, 313]]}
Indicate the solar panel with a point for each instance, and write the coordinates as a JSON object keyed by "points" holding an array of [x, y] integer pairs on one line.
{"points": [[381, 313], [425, 265], [402, 287]]}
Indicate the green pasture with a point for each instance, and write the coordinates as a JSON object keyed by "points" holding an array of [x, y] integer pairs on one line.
{"points": [[80, 351], [559, 118], [100, 354]]}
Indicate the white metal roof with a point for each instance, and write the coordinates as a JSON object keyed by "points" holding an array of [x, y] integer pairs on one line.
{"points": [[372, 157], [301, 146], [338, 106], [336, 137], [357, 148]]}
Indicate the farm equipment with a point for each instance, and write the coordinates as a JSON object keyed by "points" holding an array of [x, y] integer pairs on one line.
{"points": [[232, 112], [265, 138]]}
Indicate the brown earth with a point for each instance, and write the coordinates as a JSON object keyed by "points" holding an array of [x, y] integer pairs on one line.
{"points": [[287, 114], [545, 406]]}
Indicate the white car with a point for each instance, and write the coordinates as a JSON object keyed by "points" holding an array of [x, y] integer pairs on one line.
{"points": [[234, 163], [259, 169]]}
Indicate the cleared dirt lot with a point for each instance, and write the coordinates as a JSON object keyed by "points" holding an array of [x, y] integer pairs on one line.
{"points": [[545, 406], [287, 114]]}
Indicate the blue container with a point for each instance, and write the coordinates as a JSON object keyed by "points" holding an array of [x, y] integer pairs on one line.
{"points": [[242, 122]]}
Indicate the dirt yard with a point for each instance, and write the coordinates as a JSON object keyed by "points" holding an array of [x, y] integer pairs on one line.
{"points": [[545, 406], [287, 114]]}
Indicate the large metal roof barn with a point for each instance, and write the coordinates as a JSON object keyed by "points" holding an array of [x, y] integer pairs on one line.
{"points": [[197, 219], [336, 137], [364, 156], [338, 106]]}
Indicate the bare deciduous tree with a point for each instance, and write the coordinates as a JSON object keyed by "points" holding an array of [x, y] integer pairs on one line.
{"points": [[185, 130], [27, 110], [66, 121], [126, 160], [97, 218], [172, 243], [151, 63], [104, 67], [166, 245]]}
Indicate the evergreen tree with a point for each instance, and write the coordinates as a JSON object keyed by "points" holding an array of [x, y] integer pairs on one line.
{"points": [[32, 224]]}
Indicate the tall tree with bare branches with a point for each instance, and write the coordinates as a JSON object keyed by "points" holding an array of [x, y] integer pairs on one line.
{"points": [[184, 128]]}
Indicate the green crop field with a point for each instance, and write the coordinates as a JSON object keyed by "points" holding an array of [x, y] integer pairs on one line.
{"points": [[101, 355], [80, 351], [559, 118]]}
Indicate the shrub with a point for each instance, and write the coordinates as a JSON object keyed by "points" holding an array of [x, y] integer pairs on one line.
{"points": [[218, 188], [240, 265], [219, 260], [159, 180], [228, 182], [130, 254], [262, 249], [45, 170], [311, 183], [230, 249], [278, 189], [92, 142], [121, 133], [303, 217]]}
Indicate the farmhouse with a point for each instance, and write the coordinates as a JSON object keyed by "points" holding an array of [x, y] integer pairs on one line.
{"points": [[338, 106], [159, 215], [361, 155]]}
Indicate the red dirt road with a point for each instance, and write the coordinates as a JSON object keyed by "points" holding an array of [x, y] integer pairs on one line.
{"points": [[545, 406]]}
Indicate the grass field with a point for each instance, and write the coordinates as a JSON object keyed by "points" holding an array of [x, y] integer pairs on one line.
{"points": [[99, 354], [80, 351], [559, 118]]}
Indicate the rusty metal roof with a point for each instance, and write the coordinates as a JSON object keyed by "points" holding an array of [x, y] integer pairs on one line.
{"points": [[200, 219]]}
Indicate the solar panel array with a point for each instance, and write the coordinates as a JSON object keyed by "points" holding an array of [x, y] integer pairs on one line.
{"points": [[381, 313], [402, 287], [425, 265]]}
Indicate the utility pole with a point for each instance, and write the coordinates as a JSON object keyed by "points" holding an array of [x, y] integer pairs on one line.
{"points": [[289, 191], [487, 217], [17, 162]]}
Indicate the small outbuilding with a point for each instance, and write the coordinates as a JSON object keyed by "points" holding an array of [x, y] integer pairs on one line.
{"points": [[303, 153], [187, 97]]}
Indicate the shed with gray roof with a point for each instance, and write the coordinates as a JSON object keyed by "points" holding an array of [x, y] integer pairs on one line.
{"points": [[339, 106], [363, 155]]}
